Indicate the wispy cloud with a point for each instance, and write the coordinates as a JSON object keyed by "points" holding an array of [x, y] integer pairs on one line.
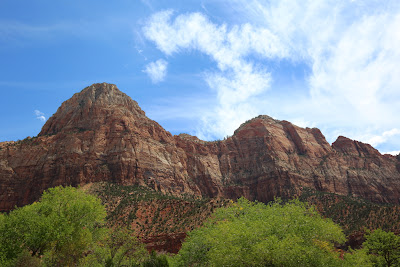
{"points": [[351, 48], [157, 70], [383, 138], [39, 115], [237, 80]]}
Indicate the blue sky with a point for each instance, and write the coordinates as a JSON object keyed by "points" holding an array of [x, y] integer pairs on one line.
{"points": [[204, 67]]}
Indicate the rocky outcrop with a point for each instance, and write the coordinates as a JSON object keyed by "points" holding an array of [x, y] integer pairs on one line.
{"points": [[101, 134]]}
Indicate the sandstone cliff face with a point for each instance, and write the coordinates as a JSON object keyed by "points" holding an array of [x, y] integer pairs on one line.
{"points": [[101, 134]]}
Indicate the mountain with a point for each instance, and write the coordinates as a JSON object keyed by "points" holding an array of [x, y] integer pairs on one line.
{"points": [[101, 134]]}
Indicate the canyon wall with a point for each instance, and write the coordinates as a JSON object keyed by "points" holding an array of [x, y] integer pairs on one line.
{"points": [[101, 134]]}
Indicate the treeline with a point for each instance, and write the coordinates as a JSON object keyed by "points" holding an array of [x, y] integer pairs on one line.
{"points": [[67, 227]]}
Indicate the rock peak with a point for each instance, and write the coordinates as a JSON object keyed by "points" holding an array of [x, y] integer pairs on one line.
{"points": [[90, 108], [353, 147], [265, 118], [104, 91], [101, 88]]}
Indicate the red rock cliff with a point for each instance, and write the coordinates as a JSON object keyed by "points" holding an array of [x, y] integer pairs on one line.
{"points": [[102, 134]]}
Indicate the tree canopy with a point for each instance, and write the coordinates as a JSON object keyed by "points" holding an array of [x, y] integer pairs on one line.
{"points": [[254, 234], [60, 227], [385, 246], [66, 227]]}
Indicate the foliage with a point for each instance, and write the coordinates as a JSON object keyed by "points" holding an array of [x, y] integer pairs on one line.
{"points": [[120, 247], [156, 260], [254, 234], [25, 259], [61, 226], [385, 246], [358, 257], [65, 227]]}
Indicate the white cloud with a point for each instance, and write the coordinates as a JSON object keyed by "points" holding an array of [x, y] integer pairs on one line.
{"points": [[237, 80], [195, 31], [383, 138], [234, 92], [39, 115], [157, 70], [352, 49], [360, 71]]}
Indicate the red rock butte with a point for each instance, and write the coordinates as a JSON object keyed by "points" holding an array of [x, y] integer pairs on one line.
{"points": [[101, 134]]}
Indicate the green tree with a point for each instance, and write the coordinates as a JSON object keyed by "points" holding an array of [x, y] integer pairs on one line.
{"points": [[76, 220], [61, 227], [24, 230], [124, 247], [120, 247], [155, 260], [385, 246], [255, 234], [359, 257]]}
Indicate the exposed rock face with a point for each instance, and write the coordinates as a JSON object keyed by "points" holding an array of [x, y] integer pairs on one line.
{"points": [[102, 134]]}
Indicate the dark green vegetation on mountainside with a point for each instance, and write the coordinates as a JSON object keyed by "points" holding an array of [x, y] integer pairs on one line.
{"points": [[167, 213], [151, 212], [354, 214]]}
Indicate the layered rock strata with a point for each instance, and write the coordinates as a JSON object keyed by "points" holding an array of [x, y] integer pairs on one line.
{"points": [[101, 134]]}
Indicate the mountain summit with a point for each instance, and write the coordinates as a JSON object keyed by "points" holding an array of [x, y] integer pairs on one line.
{"points": [[101, 134], [93, 107]]}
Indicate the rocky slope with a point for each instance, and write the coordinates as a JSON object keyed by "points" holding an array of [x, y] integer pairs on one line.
{"points": [[160, 220], [101, 134]]}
